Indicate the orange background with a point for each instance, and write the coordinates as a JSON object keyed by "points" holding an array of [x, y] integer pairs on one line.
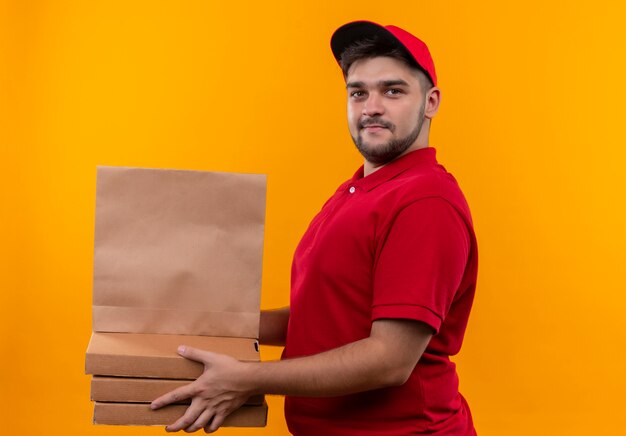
{"points": [[531, 124]]}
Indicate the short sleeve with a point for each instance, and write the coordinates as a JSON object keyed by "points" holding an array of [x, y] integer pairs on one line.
{"points": [[420, 264]]}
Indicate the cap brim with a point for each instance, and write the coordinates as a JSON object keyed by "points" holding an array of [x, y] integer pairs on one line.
{"points": [[350, 32]]}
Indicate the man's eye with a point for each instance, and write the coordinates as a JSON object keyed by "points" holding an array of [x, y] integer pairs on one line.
{"points": [[357, 94], [394, 91]]}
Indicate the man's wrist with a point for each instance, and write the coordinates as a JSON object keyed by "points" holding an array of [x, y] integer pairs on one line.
{"points": [[246, 378]]}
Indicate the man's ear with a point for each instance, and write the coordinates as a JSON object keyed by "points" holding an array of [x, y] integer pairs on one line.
{"points": [[433, 98]]}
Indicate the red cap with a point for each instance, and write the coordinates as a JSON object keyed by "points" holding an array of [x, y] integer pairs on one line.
{"points": [[350, 32]]}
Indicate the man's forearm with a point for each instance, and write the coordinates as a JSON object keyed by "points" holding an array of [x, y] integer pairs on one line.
{"points": [[371, 363], [336, 372]]}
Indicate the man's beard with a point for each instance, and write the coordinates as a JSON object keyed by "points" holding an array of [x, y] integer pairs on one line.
{"points": [[384, 153]]}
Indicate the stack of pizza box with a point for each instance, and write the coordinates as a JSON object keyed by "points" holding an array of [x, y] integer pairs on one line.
{"points": [[177, 261]]}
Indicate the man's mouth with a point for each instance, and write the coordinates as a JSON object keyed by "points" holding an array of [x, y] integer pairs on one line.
{"points": [[373, 125]]}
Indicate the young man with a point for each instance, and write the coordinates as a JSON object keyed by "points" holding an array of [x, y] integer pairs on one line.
{"points": [[382, 281]]}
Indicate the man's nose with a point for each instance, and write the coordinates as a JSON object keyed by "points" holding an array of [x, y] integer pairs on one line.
{"points": [[373, 105]]}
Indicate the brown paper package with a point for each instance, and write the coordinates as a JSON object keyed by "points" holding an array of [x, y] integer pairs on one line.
{"points": [[178, 252]]}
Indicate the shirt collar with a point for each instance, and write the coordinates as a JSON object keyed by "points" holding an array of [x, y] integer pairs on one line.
{"points": [[423, 156]]}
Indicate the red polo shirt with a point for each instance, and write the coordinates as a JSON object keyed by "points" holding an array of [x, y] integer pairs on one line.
{"points": [[398, 243]]}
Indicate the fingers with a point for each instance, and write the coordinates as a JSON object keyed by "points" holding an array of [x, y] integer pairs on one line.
{"points": [[215, 424], [195, 354], [201, 422], [174, 396], [200, 415], [192, 414]]}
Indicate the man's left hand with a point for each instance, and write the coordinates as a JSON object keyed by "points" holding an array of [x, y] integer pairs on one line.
{"points": [[214, 395]]}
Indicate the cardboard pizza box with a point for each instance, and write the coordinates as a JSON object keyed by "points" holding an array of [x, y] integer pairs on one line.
{"points": [[141, 390], [152, 355], [141, 414]]}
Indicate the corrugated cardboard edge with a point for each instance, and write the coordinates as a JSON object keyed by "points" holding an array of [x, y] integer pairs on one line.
{"points": [[141, 414]]}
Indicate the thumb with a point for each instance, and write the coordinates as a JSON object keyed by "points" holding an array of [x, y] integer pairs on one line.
{"points": [[195, 354]]}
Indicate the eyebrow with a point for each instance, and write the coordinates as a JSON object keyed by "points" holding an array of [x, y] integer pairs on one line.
{"points": [[381, 83]]}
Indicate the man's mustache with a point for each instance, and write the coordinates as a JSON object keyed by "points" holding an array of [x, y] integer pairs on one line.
{"points": [[377, 122]]}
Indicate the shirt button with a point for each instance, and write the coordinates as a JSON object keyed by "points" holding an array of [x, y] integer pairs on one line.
{"points": [[352, 189]]}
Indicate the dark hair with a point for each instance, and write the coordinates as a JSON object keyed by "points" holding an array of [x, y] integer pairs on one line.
{"points": [[375, 46]]}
